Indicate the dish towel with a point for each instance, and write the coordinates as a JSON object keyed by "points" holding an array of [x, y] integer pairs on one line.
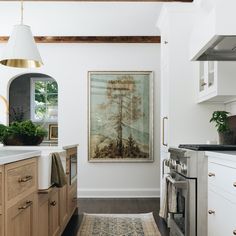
{"points": [[58, 176], [172, 197], [169, 197], [163, 210]]}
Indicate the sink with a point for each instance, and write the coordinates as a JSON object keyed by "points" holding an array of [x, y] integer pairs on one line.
{"points": [[45, 165]]}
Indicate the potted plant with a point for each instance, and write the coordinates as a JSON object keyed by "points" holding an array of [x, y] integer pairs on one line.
{"points": [[22, 133], [226, 136]]}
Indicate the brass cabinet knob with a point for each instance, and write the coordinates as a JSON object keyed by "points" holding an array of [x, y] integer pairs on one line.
{"points": [[234, 232], [234, 184], [53, 203], [211, 174], [211, 212]]}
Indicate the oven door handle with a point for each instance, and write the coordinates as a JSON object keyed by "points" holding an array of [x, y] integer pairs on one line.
{"points": [[177, 183]]}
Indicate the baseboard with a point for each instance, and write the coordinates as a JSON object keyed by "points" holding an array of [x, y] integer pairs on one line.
{"points": [[118, 193]]}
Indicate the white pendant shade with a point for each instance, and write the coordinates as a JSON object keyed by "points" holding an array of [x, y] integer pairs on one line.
{"points": [[21, 50]]}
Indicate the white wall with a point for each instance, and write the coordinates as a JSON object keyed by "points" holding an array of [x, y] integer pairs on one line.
{"points": [[68, 64], [82, 18]]}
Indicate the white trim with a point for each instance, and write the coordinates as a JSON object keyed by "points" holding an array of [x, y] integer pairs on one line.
{"points": [[32, 95], [119, 193]]}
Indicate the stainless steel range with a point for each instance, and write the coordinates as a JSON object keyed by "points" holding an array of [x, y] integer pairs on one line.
{"points": [[188, 174]]}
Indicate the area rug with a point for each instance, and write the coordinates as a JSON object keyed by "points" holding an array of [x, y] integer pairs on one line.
{"points": [[118, 225]]}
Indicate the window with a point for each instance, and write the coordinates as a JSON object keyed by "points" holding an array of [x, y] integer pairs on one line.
{"points": [[44, 100]]}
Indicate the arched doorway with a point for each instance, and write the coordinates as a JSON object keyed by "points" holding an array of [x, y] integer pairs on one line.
{"points": [[34, 96]]}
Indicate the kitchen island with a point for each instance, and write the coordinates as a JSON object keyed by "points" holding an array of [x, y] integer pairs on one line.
{"points": [[26, 210]]}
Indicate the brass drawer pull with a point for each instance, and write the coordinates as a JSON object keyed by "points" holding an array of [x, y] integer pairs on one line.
{"points": [[53, 203], [234, 232], [234, 184], [25, 179], [211, 212], [28, 203], [211, 175]]}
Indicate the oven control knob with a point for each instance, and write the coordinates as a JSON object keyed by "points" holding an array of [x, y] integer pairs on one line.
{"points": [[183, 168], [174, 164]]}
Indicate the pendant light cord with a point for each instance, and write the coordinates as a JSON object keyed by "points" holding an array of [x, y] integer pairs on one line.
{"points": [[22, 9]]}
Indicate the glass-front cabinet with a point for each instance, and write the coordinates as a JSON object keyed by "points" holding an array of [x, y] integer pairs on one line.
{"points": [[207, 76], [216, 81]]}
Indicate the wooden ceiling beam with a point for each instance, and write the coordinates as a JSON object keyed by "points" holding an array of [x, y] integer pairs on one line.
{"points": [[92, 39], [102, 1]]}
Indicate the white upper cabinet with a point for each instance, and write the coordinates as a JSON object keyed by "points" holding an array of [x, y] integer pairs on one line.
{"points": [[217, 82]]}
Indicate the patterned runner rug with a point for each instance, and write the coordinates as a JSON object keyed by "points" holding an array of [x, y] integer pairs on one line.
{"points": [[118, 225]]}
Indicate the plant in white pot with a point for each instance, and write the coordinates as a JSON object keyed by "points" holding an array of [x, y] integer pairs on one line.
{"points": [[221, 118]]}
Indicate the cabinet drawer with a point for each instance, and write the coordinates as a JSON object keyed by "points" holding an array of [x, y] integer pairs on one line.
{"points": [[223, 177], [20, 178], [221, 221], [21, 217]]}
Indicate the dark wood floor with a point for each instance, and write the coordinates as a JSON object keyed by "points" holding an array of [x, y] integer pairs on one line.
{"points": [[109, 206]]}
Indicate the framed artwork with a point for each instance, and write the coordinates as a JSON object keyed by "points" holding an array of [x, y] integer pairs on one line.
{"points": [[53, 132], [120, 116]]}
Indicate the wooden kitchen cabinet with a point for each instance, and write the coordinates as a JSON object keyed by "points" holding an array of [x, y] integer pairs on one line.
{"points": [[63, 204], [57, 205], [20, 198], [21, 218], [216, 81], [43, 218], [54, 213], [221, 194], [72, 198]]}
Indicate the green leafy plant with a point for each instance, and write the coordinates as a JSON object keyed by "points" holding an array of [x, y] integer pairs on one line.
{"points": [[25, 133], [221, 120]]}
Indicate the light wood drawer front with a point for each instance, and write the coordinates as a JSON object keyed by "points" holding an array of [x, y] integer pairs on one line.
{"points": [[21, 217], [223, 177], [21, 177]]}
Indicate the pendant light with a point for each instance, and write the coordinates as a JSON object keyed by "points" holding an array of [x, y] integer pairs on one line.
{"points": [[21, 50]]}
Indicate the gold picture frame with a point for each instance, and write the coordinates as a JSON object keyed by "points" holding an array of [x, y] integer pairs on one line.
{"points": [[53, 132]]}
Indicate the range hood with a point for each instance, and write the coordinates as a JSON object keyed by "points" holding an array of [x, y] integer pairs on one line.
{"points": [[214, 35]]}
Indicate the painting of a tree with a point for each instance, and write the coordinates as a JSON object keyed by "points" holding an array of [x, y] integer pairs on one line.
{"points": [[120, 116]]}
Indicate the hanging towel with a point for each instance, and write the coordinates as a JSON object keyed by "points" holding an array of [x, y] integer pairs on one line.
{"points": [[169, 197], [58, 177], [163, 210], [172, 197]]}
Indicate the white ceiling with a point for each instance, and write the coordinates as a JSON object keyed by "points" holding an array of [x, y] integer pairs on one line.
{"points": [[83, 18]]}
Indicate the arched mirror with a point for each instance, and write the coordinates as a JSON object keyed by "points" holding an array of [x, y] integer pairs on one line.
{"points": [[34, 97]]}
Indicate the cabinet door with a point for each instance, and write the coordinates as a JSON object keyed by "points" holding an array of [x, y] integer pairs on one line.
{"points": [[72, 199], [63, 205], [221, 215], [43, 219], [164, 108], [21, 218], [203, 78], [54, 214]]}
